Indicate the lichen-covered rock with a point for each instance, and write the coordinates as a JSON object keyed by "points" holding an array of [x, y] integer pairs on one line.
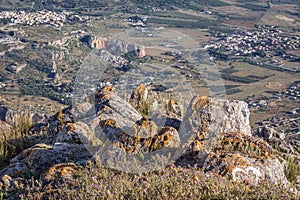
{"points": [[60, 171], [152, 99], [174, 107], [141, 138], [41, 157], [217, 134], [5, 182], [245, 158], [206, 118], [140, 93], [73, 132], [110, 105], [144, 128]]}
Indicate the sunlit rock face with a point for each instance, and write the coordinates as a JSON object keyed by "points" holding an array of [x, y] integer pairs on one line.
{"points": [[245, 158], [220, 139], [117, 46]]}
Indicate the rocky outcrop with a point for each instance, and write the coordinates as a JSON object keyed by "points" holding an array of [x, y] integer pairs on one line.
{"points": [[216, 134], [60, 171], [246, 159], [140, 93], [207, 119], [153, 99], [41, 157], [119, 121], [114, 45], [267, 133]]}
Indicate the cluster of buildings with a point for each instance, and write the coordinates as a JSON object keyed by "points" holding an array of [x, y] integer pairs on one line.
{"points": [[256, 42], [35, 18], [136, 21], [2, 85], [15, 67], [293, 92], [257, 104], [283, 124]]}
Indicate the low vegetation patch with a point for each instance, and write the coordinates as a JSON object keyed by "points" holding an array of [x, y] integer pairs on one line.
{"points": [[17, 138], [95, 181]]}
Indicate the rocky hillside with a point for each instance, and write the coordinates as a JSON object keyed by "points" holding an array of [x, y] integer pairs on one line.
{"points": [[213, 135]]}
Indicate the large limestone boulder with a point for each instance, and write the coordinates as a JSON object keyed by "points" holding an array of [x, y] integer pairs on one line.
{"points": [[246, 159], [214, 116], [217, 131], [110, 106], [141, 138], [41, 157], [207, 118]]}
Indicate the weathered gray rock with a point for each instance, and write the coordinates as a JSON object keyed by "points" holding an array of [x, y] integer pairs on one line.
{"points": [[267, 132], [212, 116], [250, 170], [83, 110], [245, 158], [207, 118], [41, 157], [215, 132], [111, 106]]}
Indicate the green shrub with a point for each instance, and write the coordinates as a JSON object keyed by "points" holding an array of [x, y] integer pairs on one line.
{"points": [[291, 170]]}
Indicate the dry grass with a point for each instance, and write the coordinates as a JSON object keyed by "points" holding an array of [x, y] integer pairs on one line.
{"points": [[98, 182], [17, 138]]}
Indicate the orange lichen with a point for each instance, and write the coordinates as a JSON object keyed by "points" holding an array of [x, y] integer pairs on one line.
{"points": [[106, 96], [70, 127], [60, 116], [139, 93], [228, 169], [172, 103], [168, 137], [108, 89], [237, 160], [197, 146], [145, 125], [250, 146], [140, 89], [202, 101], [148, 142], [138, 138], [108, 122], [60, 171], [131, 149]]}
